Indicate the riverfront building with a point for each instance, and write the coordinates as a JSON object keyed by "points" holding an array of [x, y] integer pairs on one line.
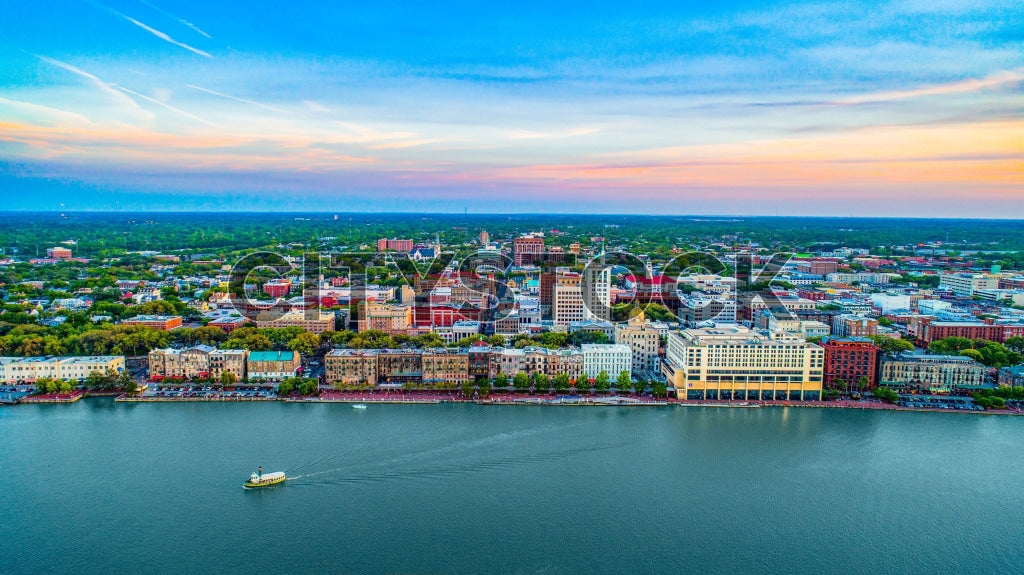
{"points": [[201, 361], [931, 373], [273, 365], [733, 362], [611, 358], [847, 360], [73, 369], [643, 342]]}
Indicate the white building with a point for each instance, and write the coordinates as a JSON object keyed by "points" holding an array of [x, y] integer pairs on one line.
{"points": [[611, 358], [643, 341], [889, 303], [964, 285], [74, 369], [932, 306]]}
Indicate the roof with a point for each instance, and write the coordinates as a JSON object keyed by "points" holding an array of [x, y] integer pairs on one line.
{"points": [[271, 356]]}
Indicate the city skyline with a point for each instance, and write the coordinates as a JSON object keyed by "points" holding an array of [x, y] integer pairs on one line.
{"points": [[740, 108]]}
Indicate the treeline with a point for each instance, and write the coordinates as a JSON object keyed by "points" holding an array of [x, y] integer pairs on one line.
{"points": [[990, 353]]}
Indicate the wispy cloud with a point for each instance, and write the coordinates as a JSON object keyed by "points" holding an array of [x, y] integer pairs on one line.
{"points": [[169, 107], [163, 36], [173, 17], [236, 98], [106, 87], [997, 80]]}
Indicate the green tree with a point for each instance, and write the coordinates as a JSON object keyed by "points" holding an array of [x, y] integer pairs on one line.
{"points": [[467, 389], [285, 388], [227, 378], [541, 383], [483, 386], [1015, 343], [891, 345], [602, 382], [521, 382], [130, 387], [885, 394], [659, 389], [304, 343], [308, 386], [501, 381], [562, 382], [623, 382], [496, 340]]}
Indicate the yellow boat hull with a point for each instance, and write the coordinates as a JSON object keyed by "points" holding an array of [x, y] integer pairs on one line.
{"points": [[268, 483]]}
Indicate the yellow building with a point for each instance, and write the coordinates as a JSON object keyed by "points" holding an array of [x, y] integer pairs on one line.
{"points": [[733, 362]]}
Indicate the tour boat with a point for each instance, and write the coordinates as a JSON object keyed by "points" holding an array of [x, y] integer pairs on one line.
{"points": [[260, 479], [359, 406]]}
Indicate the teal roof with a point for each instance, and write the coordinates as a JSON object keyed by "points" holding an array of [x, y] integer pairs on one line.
{"points": [[271, 356]]}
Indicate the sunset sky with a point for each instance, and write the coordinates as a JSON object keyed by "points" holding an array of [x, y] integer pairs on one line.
{"points": [[793, 108]]}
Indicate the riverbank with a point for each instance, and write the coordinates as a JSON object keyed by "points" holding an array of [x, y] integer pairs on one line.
{"points": [[436, 397]]}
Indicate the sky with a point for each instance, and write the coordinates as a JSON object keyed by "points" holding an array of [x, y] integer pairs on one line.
{"points": [[864, 108]]}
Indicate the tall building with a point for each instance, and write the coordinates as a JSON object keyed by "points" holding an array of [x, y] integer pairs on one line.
{"points": [[733, 362], [597, 292], [965, 284], [527, 249], [567, 304], [850, 325], [390, 318], [485, 238], [847, 360], [643, 342]]}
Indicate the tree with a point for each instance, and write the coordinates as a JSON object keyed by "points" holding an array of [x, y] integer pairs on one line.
{"points": [[483, 386], [501, 381], [227, 378], [602, 382], [496, 340], [885, 394], [467, 389], [285, 388], [541, 383], [623, 382], [891, 345], [1015, 343], [521, 382], [64, 387], [130, 387], [304, 343], [863, 382], [562, 382], [95, 380], [309, 386], [659, 389]]}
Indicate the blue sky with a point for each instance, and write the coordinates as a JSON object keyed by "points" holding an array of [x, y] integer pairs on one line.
{"points": [[870, 108]]}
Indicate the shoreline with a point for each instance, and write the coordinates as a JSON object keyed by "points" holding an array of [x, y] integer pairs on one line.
{"points": [[552, 401]]}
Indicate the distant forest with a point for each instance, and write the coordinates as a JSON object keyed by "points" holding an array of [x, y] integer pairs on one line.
{"points": [[103, 234]]}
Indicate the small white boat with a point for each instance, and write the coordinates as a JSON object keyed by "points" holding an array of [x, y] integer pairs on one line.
{"points": [[359, 406]]}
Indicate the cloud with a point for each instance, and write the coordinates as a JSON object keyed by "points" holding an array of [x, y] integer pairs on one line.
{"points": [[173, 17], [152, 30], [236, 98], [107, 88], [316, 106], [170, 107], [997, 80]]}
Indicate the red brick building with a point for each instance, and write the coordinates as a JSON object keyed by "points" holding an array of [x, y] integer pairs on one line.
{"points": [[970, 329], [394, 244], [527, 249], [277, 288], [849, 359], [159, 322]]}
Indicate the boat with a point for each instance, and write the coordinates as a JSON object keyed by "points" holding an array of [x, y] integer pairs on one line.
{"points": [[359, 406], [260, 479]]}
